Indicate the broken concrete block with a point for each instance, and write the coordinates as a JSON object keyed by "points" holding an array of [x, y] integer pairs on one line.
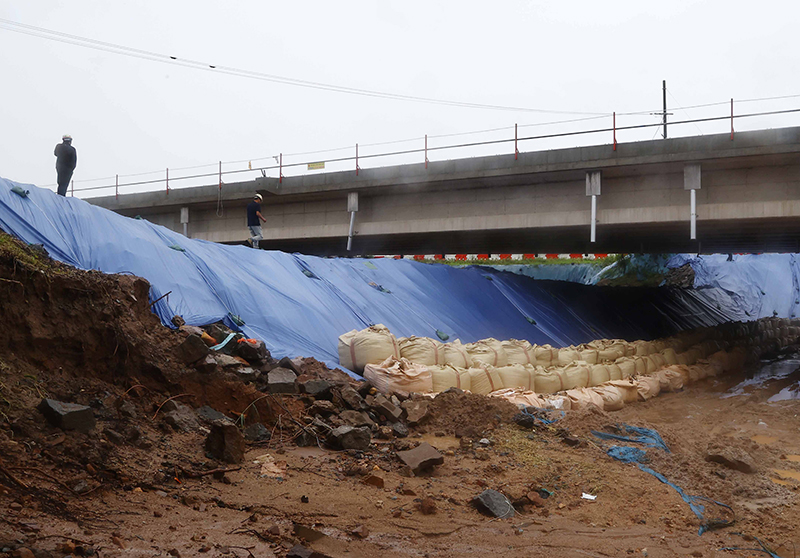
{"points": [[191, 350], [348, 437], [227, 361], [281, 380], [225, 442], [386, 408], [416, 410], [421, 458], [192, 330], [732, 458], [494, 503], [67, 416], [252, 350], [356, 418]]}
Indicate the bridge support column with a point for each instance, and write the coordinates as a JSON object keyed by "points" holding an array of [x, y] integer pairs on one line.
{"points": [[691, 182], [185, 221], [593, 180], [352, 207]]}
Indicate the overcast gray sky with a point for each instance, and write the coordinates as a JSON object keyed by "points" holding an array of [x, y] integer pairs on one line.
{"points": [[129, 115]]}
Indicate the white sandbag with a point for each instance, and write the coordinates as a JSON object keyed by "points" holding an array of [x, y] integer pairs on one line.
{"points": [[658, 360], [518, 351], [628, 389], [640, 364], [670, 356], [614, 371], [487, 351], [519, 396], [650, 364], [421, 350], [582, 398], [590, 356], [567, 355], [574, 375], [611, 395], [627, 366], [545, 355], [648, 387], [546, 380], [516, 376], [598, 375], [643, 348], [394, 375], [484, 379], [372, 345], [670, 379], [447, 376], [610, 354], [456, 354]]}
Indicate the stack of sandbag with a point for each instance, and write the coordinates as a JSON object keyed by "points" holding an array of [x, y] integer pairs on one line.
{"points": [[448, 376], [372, 345], [394, 375], [487, 351], [484, 379], [422, 350], [456, 354]]}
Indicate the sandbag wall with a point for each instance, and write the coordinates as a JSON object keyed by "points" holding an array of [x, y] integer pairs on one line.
{"points": [[607, 373]]}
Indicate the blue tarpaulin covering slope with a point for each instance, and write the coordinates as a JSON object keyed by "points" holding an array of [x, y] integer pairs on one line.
{"points": [[299, 305]]}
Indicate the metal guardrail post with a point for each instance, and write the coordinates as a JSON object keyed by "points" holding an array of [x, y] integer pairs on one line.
{"points": [[516, 150], [116, 186], [731, 119], [357, 169], [614, 124], [168, 181], [426, 151]]}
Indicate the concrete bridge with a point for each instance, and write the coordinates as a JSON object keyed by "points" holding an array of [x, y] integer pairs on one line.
{"points": [[747, 192]]}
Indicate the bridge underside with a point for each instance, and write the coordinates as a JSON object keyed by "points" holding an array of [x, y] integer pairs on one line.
{"points": [[741, 236]]}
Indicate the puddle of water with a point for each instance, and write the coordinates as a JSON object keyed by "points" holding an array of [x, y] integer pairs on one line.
{"points": [[764, 439], [441, 442], [768, 372], [795, 458], [787, 474]]}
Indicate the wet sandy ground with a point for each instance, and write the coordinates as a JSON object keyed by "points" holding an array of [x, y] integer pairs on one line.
{"points": [[634, 514]]}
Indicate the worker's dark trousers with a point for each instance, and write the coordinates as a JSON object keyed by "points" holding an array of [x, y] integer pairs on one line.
{"points": [[64, 176]]}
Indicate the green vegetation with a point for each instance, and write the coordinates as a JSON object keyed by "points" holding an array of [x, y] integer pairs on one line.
{"points": [[29, 256]]}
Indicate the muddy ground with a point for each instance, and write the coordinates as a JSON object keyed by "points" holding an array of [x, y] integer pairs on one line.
{"points": [[136, 486]]}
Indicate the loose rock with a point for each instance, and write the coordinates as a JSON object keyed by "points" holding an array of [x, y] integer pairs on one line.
{"points": [[281, 380], [347, 437], [415, 410], [252, 350], [225, 442], [191, 350], [421, 458], [256, 432], [353, 399], [356, 418], [494, 503], [67, 416]]}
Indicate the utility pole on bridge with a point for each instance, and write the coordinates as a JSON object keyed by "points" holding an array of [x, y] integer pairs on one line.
{"points": [[664, 92]]}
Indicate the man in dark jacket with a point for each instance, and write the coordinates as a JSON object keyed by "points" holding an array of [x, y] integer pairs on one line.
{"points": [[254, 220], [66, 161]]}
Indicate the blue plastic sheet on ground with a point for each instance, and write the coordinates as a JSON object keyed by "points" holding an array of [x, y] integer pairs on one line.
{"points": [[650, 438], [299, 305]]}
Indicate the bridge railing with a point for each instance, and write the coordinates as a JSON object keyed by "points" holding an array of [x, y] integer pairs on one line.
{"points": [[169, 182]]}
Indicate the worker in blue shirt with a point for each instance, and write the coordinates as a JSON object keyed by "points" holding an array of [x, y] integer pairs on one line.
{"points": [[254, 220]]}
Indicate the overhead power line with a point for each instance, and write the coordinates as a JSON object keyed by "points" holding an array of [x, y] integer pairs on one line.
{"points": [[67, 38]]}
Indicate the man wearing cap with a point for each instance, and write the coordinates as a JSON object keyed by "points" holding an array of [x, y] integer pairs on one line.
{"points": [[254, 220], [66, 160]]}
